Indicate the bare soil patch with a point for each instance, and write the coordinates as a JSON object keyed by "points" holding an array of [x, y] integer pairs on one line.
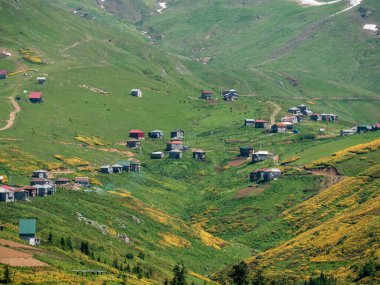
{"points": [[237, 161], [249, 190], [15, 257]]}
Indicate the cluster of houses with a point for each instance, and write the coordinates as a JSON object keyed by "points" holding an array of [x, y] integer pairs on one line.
{"points": [[305, 110], [228, 95], [121, 166], [285, 125], [175, 147], [40, 185], [360, 129]]}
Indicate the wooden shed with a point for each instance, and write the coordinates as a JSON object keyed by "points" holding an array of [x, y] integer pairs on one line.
{"points": [[106, 169]]}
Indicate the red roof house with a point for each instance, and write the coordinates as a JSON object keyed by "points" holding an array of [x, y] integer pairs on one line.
{"points": [[8, 188], [261, 124], [35, 97], [136, 134], [172, 145], [3, 73]]}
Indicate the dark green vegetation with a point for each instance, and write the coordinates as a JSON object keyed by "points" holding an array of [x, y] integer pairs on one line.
{"points": [[204, 214]]}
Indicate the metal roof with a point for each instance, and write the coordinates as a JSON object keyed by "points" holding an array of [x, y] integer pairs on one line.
{"points": [[27, 226]]}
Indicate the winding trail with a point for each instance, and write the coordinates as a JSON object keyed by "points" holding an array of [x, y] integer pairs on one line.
{"points": [[277, 109], [12, 115]]}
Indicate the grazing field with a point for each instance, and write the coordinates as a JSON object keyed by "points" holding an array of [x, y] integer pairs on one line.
{"points": [[319, 216]]}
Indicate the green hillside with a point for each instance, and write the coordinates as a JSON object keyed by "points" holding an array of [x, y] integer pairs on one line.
{"points": [[206, 215]]}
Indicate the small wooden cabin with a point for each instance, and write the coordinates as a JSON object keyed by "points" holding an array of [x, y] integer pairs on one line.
{"points": [[82, 181], [177, 134], [265, 174], [156, 134], [41, 80], [329, 117], [157, 155], [246, 151], [249, 122], [40, 174], [199, 154], [31, 190], [175, 154], [106, 169], [136, 93], [117, 168], [133, 143], [21, 195], [62, 181], [294, 110], [260, 156], [135, 166], [206, 95], [39, 181]]}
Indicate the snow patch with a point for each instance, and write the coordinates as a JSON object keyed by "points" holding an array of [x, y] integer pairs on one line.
{"points": [[317, 3], [163, 7], [370, 27]]}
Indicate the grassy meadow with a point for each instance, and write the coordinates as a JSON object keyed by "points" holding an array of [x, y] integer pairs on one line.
{"points": [[204, 214]]}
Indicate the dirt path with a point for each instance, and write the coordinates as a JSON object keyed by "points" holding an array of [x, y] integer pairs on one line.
{"points": [[277, 109], [12, 115]]}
